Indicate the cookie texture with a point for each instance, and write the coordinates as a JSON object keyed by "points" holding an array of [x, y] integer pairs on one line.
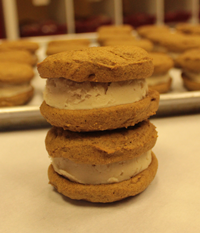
{"points": [[101, 147], [162, 87], [15, 73], [188, 28], [145, 30], [115, 29], [57, 46], [142, 43], [189, 84], [20, 44], [17, 100], [98, 64], [19, 56], [190, 60], [162, 63], [104, 193], [102, 118]]}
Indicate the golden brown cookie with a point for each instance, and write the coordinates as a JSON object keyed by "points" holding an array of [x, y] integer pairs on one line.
{"points": [[162, 63], [98, 64], [19, 56], [190, 84], [20, 44], [104, 193], [57, 46], [160, 79], [162, 87], [115, 29], [188, 28], [101, 145], [142, 43], [145, 30], [17, 100], [102, 118], [15, 73], [15, 87], [190, 60]]}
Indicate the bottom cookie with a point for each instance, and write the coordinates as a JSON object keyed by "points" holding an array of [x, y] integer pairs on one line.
{"points": [[189, 84], [104, 193], [17, 100], [163, 87]]}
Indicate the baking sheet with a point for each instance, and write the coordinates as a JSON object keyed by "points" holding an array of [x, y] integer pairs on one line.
{"points": [[178, 101]]}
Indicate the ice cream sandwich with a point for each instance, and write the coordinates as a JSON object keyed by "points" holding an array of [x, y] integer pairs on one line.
{"points": [[15, 87], [98, 88], [160, 79], [103, 166], [190, 65]]}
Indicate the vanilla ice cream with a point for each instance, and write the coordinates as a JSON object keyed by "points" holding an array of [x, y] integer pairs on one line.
{"points": [[101, 173], [9, 90], [158, 79], [66, 94], [192, 75]]}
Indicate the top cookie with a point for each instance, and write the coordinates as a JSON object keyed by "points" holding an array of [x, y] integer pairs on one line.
{"points": [[20, 44], [98, 64], [15, 73], [188, 28], [190, 60], [162, 63], [143, 31]]}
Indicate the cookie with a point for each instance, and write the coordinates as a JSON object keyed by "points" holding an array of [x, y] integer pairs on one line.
{"points": [[19, 56], [188, 28], [15, 87], [113, 117], [98, 64], [57, 46], [20, 45], [190, 65], [101, 147], [104, 193], [115, 29], [160, 79], [144, 31], [142, 43]]}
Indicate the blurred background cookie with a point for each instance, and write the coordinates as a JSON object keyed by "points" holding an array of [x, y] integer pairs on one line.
{"points": [[160, 79], [190, 65], [15, 87], [57, 46]]}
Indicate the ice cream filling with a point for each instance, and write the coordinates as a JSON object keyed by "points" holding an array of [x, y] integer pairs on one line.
{"points": [[66, 94], [9, 90], [192, 75], [158, 79], [101, 173]]}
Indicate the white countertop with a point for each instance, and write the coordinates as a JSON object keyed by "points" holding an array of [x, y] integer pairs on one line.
{"points": [[170, 204]]}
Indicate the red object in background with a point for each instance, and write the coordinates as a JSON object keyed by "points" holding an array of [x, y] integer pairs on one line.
{"points": [[2, 28], [91, 24], [139, 19], [177, 16], [44, 28]]}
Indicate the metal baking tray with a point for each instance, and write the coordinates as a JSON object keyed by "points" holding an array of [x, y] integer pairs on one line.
{"points": [[177, 101]]}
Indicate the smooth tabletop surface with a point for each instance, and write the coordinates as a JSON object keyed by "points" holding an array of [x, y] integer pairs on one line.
{"points": [[170, 204]]}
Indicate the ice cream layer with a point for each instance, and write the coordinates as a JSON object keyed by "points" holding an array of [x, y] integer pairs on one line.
{"points": [[66, 94], [158, 79], [192, 75], [12, 90], [101, 174]]}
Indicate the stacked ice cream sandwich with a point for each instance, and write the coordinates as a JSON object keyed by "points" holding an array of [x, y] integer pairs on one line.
{"points": [[98, 102]]}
